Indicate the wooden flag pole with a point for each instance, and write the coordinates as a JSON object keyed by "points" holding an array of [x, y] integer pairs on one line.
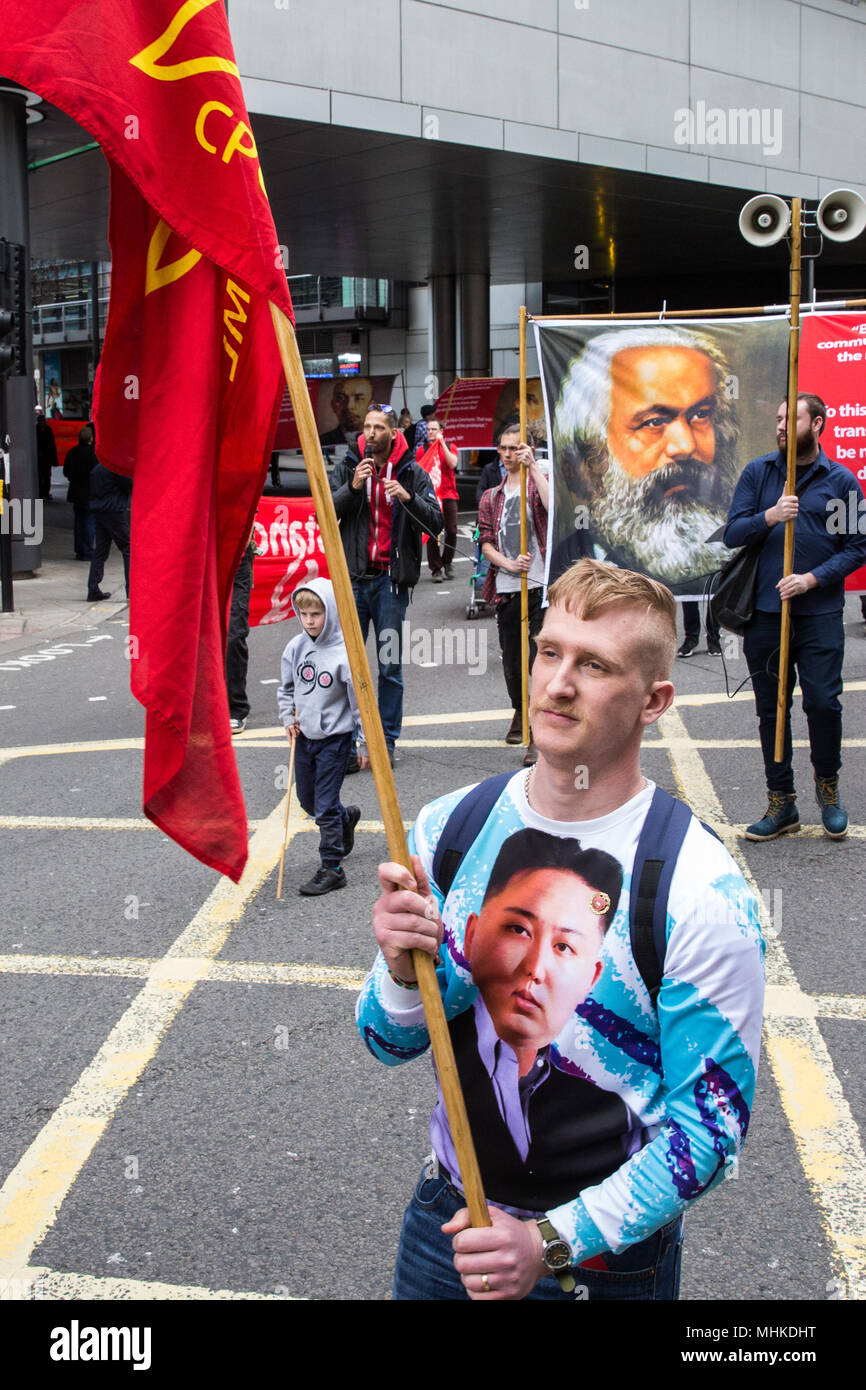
{"points": [[434, 1013], [524, 542], [791, 483], [286, 821]]}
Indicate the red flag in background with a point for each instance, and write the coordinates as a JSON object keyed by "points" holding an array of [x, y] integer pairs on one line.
{"points": [[190, 380]]}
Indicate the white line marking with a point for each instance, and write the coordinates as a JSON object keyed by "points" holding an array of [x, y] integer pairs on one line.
{"points": [[38, 1185], [93, 698], [50, 1285]]}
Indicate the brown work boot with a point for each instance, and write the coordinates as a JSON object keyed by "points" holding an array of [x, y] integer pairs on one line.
{"points": [[515, 732]]}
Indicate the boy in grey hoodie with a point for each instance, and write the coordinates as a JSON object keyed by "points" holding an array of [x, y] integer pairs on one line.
{"points": [[318, 709]]}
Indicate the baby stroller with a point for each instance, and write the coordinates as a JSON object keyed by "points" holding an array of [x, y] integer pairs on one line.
{"points": [[476, 607]]}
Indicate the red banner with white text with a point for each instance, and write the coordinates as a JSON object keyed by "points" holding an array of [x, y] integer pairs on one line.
{"points": [[833, 365], [289, 552]]}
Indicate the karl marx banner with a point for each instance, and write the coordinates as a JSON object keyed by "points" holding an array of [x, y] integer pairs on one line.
{"points": [[650, 426]]}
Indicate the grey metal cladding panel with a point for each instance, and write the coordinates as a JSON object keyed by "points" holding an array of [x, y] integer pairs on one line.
{"points": [[624, 96], [788, 183], [833, 139], [646, 26], [834, 63], [535, 139], [459, 129], [487, 67], [611, 154], [676, 164], [365, 113], [350, 45], [775, 143], [733, 174], [285, 99], [539, 13], [748, 39]]}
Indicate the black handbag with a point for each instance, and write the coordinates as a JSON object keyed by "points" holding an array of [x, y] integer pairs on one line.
{"points": [[732, 600], [732, 596]]}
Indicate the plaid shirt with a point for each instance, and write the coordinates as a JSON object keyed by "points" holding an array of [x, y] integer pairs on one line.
{"points": [[489, 516]]}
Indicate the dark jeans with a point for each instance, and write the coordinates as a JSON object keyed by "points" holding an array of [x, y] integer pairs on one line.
{"points": [[377, 602], [817, 650], [508, 623], [425, 1269], [436, 561], [237, 654], [108, 527], [692, 623], [320, 766], [84, 531]]}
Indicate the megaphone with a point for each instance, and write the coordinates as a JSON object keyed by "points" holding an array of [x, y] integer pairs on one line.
{"points": [[765, 219], [842, 215]]}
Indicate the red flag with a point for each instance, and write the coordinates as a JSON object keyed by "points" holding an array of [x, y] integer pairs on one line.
{"points": [[190, 380]]}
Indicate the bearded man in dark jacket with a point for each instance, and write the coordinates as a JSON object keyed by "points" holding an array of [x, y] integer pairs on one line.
{"points": [[386, 507]]}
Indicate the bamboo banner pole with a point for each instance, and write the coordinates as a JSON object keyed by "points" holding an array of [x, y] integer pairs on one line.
{"points": [[524, 543], [828, 307], [791, 483], [326, 517], [286, 821]]}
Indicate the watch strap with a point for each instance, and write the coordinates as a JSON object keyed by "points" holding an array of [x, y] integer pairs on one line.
{"points": [[551, 1237]]}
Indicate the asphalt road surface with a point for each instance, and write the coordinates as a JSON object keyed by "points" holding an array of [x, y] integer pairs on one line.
{"points": [[189, 1112]]}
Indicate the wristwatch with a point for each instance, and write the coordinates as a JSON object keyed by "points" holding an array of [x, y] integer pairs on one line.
{"points": [[556, 1254]]}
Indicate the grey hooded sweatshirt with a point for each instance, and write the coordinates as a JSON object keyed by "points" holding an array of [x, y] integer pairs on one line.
{"points": [[316, 680]]}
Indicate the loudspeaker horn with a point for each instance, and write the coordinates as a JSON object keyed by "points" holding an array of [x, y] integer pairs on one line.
{"points": [[842, 215], [765, 219]]}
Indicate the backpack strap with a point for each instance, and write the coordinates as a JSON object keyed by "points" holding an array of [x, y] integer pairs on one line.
{"points": [[658, 847], [463, 827]]}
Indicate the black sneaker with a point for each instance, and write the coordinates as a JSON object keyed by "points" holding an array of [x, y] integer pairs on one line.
{"points": [[353, 815], [687, 648], [97, 596], [713, 648], [323, 881]]}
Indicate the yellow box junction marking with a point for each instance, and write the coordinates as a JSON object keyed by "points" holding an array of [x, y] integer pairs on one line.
{"points": [[826, 1135]]}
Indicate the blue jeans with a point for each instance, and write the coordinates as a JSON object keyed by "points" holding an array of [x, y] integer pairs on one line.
{"points": [[817, 650], [425, 1269], [377, 602]]}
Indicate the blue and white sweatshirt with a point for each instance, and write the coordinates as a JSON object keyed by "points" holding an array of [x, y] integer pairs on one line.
{"points": [[679, 1078]]}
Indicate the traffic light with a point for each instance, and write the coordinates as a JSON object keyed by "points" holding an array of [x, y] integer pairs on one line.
{"points": [[13, 340]]}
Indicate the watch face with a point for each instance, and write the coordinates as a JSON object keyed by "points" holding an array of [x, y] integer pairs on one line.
{"points": [[557, 1255]]}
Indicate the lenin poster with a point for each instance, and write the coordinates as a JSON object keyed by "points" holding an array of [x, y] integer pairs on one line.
{"points": [[650, 425]]}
